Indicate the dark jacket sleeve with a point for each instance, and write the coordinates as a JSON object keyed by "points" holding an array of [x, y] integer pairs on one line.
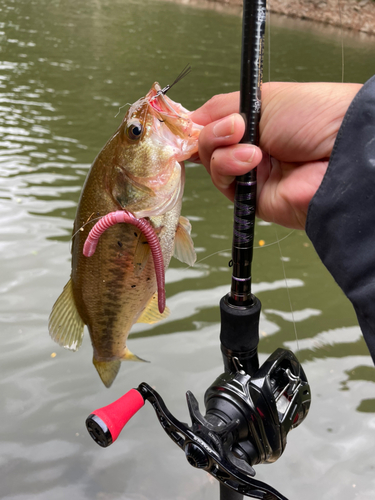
{"points": [[341, 215]]}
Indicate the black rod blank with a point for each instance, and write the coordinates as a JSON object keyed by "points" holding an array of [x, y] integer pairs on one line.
{"points": [[253, 28], [236, 305]]}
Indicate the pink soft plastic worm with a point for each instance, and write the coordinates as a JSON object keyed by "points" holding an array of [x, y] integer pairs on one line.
{"points": [[123, 216]]}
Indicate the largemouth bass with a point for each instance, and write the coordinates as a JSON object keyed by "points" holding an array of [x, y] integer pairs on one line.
{"points": [[139, 170]]}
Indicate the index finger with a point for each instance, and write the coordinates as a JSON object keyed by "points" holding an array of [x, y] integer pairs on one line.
{"points": [[217, 107], [222, 105]]}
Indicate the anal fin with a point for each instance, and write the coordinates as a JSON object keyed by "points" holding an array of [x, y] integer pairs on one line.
{"points": [[129, 356], [151, 314]]}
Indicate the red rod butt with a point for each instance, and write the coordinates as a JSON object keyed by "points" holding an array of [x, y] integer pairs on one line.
{"points": [[105, 424]]}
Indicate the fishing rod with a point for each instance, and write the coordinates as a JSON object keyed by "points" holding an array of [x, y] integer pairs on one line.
{"points": [[249, 409], [240, 309]]}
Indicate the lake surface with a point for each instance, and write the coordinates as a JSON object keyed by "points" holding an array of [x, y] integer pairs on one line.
{"points": [[67, 67]]}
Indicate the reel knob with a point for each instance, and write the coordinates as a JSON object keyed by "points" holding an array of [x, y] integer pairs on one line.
{"points": [[105, 424], [99, 431]]}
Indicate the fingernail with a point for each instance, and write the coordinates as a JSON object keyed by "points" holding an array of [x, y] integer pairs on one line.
{"points": [[244, 152], [225, 127]]}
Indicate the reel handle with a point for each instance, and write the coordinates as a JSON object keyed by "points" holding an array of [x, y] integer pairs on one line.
{"points": [[105, 424]]}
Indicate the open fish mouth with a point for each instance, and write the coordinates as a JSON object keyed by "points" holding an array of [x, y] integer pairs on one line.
{"points": [[163, 104], [172, 122], [175, 116]]}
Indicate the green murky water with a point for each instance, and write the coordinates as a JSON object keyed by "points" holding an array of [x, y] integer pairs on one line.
{"points": [[66, 68]]}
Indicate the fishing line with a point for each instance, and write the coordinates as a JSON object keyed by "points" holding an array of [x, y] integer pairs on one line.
{"points": [[269, 172], [81, 229], [182, 75], [342, 42], [277, 241], [120, 108], [269, 153], [288, 292], [229, 249], [85, 224]]}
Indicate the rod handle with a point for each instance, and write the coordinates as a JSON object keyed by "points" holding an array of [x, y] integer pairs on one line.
{"points": [[105, 424]]}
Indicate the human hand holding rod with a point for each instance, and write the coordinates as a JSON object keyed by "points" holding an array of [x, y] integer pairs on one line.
{"points": [[298, 127]]}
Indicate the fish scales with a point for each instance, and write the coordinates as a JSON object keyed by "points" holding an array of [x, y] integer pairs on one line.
{"points": [[140, 170], [110, 269]]}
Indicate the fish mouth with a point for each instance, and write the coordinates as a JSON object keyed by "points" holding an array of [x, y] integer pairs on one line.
{"points": [[172, 123], [163, 105], [175, 117]]}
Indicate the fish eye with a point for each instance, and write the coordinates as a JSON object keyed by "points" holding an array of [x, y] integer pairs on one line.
{"points": [[134, 131]]}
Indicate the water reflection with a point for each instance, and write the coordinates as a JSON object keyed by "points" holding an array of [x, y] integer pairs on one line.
{"points": [[66, 69]]}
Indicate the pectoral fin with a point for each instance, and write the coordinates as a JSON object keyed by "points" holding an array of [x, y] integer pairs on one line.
{"points": [[65, 324], [151, 313], [183, 244]]}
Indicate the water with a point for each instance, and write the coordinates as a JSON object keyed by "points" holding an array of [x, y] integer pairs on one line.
{"points": [[66, 69]]}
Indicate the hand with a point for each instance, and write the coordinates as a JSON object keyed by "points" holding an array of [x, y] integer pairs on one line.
{"points": [[298, 127]]}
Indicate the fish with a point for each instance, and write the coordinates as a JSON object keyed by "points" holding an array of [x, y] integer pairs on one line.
{"points": [[139, 170]]}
